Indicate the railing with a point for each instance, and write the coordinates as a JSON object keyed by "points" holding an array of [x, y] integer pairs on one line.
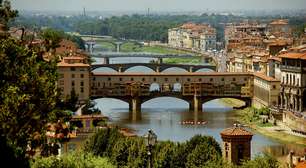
{"points": [[293, 68]]}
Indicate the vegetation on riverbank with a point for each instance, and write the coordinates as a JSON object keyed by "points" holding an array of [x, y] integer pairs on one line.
{"points": [[250, 117], [72, 160], [199, 151]]}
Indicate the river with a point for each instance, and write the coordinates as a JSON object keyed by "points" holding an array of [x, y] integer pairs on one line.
{"points": [[164, 115]]}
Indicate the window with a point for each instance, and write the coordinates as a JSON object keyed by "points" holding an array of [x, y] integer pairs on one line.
{"points": [[61, 82], [72, 75], [61, 75], [211, 79], [188, 79], [222, 79], [72, 83], [154, 79], [143, 79], [120, 79], [132, 79], [177, 79], [293, 79], [200, 80], [234, 79], [72, 68], [82, 83], [274, 87], [82, 90], [82, 75], [109, 79]]}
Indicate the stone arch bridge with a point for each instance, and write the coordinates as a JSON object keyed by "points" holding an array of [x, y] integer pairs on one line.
{"points": [[154, 66], [194, 88]]}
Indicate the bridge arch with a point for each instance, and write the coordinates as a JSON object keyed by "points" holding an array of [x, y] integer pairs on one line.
{"points": [[104, 69], [205, 70], [173, 68], [147, 69], [246, 101], [172, 97]]}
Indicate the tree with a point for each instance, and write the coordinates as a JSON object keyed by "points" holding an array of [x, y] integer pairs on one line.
{"points": [[262, 161], [80, 159], [102, 142], [6, 13], [164, 154], [52, 38], [202, 155], [28, 95]]}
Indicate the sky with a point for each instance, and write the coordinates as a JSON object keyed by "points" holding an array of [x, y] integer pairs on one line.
{"points": [[156, 5]]}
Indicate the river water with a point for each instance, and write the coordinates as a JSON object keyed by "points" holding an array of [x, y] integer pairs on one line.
{"points": [[164, 115]]}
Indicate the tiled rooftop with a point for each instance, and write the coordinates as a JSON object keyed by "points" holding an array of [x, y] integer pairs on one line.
{"points": [[236, 131]]}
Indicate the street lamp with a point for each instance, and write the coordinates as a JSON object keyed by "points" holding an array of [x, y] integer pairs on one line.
{"points": [[150, 140]]}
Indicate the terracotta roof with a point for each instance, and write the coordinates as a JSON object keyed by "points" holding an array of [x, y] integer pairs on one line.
{"points": [[236, 130], [294, 55], [265, 77], [275, 58], [279, 22], [63, 64]]}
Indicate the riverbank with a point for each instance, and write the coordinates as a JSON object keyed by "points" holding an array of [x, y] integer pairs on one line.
{"points": [[278, 132]]}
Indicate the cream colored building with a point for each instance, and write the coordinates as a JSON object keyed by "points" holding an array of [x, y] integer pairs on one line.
{"points": [[200, 37], [74, 74], [266, 91]]}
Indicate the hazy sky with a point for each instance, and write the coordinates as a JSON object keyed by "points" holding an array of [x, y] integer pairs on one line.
{"points": [[157, 5]]}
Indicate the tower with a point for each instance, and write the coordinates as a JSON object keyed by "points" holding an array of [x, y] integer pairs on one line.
{"points": [[236, 144]]}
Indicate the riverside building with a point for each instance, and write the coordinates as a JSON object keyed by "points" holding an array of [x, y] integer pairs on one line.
{"points": [[200, 37]]}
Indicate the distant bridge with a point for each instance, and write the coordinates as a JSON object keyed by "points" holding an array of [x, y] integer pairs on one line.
{"points": [[154, 66], [139, 54]]}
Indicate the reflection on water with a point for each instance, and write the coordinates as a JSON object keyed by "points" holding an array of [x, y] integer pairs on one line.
{"points": [[164, 115]]}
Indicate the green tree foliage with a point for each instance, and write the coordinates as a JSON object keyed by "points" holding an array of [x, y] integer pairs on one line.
{"points": [[79, 160], [28, 93], [53, 37], [202, 155], [262, 161], [101, 143], [9, 155], [6, 13], [132, 151], [164, 154], [185, 149]]}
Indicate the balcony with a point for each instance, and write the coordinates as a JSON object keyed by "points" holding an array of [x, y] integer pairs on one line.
{"points": [[291, 68]]}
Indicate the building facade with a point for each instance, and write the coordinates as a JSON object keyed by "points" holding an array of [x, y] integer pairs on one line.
{"points": [[200, 37], [74, 75], [293, 80]]}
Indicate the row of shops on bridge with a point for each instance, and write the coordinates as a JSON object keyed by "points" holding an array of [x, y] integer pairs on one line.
{"points": [[188, 89]]}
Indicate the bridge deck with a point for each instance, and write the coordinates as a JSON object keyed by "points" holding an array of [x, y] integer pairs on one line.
{"points": [[140, 54], [176, 74]]}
